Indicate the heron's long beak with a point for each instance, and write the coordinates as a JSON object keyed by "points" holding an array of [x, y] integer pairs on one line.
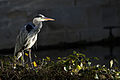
{"points": [[49, 19]]}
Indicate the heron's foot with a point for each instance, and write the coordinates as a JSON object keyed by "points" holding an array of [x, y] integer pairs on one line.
{"points": [[31, 64], [23, 64]]}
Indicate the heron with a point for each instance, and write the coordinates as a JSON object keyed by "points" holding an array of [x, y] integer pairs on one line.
{"points": [[28, 36]]}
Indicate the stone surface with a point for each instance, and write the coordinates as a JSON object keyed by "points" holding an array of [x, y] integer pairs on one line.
{"points": [[83, 21]]}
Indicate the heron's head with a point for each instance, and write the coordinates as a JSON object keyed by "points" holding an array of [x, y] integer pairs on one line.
{"points": [[40, 18]]}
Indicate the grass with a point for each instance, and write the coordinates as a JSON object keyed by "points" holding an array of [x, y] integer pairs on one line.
{"points": [[73, 67]]}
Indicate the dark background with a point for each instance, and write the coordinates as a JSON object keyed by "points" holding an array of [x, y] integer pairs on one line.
{"points": [[80, 25]]}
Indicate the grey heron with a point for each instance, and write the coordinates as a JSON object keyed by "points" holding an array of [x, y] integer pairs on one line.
{"points": [[28, 36]]}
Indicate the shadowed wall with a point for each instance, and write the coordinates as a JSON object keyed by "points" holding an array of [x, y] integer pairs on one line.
{"points": [[85, 21]]}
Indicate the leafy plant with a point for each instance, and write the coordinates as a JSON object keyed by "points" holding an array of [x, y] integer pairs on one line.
{"points": [[73, 67]]}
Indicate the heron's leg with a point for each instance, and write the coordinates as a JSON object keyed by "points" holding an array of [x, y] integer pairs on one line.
{"points": [[19, 55], [26, 57], [23, 61], [30, 58]]}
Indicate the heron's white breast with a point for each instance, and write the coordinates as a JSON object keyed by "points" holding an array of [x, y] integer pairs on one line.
{"points": [[32, 41]]}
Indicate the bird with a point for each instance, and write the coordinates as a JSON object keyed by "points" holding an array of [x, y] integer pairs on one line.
{"points": [[28, 36]]}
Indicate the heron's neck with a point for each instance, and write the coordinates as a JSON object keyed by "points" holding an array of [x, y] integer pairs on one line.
{"points": [[37, 27], [39, 24]]}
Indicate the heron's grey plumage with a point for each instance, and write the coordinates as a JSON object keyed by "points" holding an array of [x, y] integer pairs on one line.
{"points": [[24, 38], [28, 36]]}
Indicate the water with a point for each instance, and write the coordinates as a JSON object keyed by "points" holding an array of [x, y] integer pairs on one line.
{"points": [[104, 53]]}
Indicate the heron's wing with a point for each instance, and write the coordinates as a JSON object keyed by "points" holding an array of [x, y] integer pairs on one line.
{"points": [[21, 40], [26, 34]]}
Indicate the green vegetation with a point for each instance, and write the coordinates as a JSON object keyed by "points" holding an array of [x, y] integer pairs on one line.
{"points": [[73, 67]]}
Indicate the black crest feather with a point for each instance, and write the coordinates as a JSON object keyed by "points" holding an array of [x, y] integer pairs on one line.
{"points": [[29, 27]]}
